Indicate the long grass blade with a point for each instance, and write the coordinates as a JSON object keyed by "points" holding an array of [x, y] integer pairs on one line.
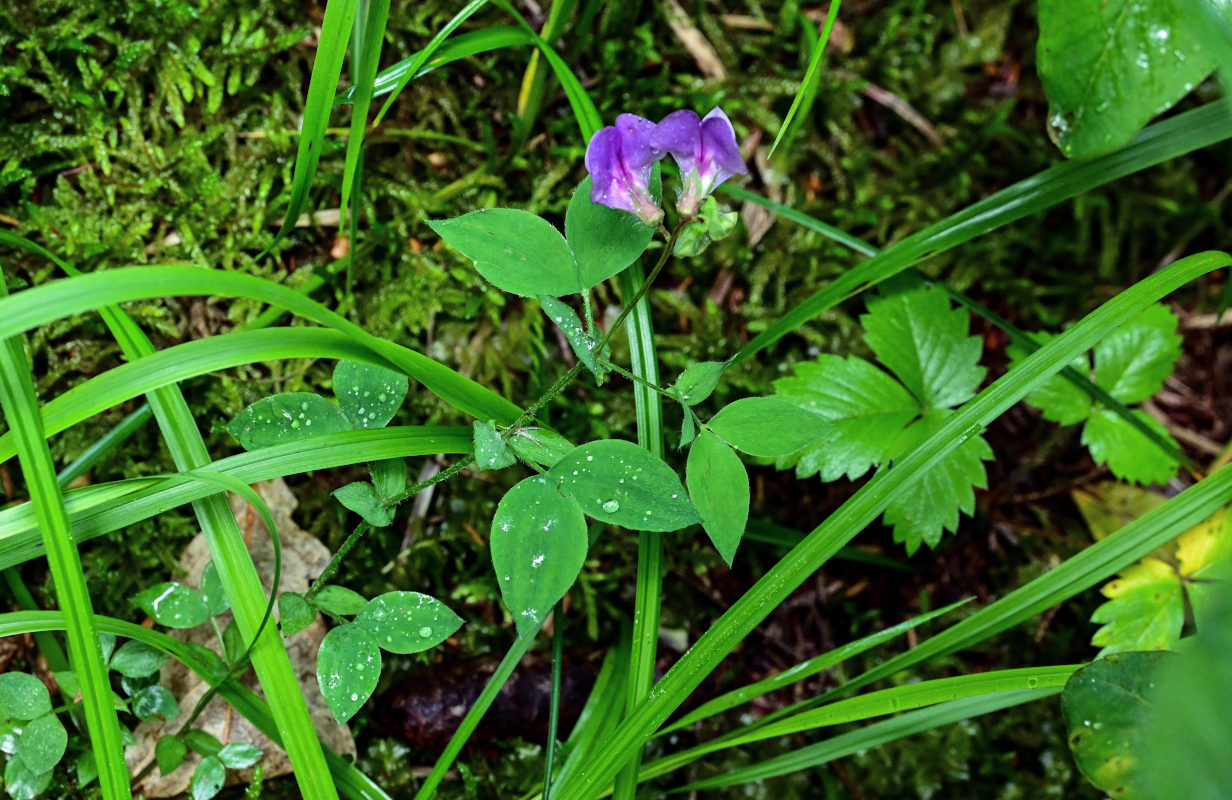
{"points": [[808, 86]]}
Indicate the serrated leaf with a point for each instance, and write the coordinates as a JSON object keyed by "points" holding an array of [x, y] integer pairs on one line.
{"points": [[154, 702], [1144, 611], [294, 613], [1108, 506], [368, 395], [1107, 705], [172, 604], [42, 743], [212, 592], [865, 408], [137, 659], [239, 755], [289, 417], [932, 504], [348, 666], [1058, 399], [491, 450], [207, 779], [922, 340], [719, 487], [619, 482], [1204, 551], [363, 500], [339, 601], [581, 342], [1132, 362], [514, 250], [766, 426], [698, 381], [605, 240], [540, 446], [169, 753], [407, 622], [1130, 455], [539, 544], [23, 696]]}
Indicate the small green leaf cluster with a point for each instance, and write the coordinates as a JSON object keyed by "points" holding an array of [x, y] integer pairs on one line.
{"points": [[873, 415], [34, 735], [1131, 366]]}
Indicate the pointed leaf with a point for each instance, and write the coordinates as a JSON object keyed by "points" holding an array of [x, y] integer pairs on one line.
{"points": [[407, 622], [388, 477], [766, 426], [697, 382], [604, 240], [212, 592], [1133, 361], [339, 601], [540, 446], [173, 604], [582, 343], [1203, 551], [688, 427], [284, 418], [1130, 455], [539, 544], [1144, 611], [348, 666], [362, 499], [368, 395], [619, 482], [719, 488], [514, 250], [491, 450]]}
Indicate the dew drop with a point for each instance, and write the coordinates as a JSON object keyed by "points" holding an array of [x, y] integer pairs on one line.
{"points": [[295, 423], [611, 506], [354, 697], [425, 632]]}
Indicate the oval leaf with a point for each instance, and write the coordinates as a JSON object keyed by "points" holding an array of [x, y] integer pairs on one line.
{"points": [[138, 659], [514, 250], [173, 604], [697, 382], [539, 544], [540, 446], [286, 418], [212, 592], [407, 622], [605, 240], [207, 778], [764, 426], [368, 395], [23, 696], [42, 743], [339, 601], [619, 482], [239, 755], [361, 498], [294, 613], [348, 666], [719, 487], [155, 702], [169, 753]]}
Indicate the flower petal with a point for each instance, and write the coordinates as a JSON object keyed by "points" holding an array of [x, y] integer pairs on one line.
{"points": [[718, 145], [635, 148], [679, 133]]}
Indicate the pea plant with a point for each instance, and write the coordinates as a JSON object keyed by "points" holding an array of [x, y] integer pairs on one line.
{"points": [[908, 422]]}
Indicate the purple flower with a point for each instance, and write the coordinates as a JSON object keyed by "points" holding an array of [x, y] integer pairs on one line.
{"points": [[619, 159], [705, 149]]}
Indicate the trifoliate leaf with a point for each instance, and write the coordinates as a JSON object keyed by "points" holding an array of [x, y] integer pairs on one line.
{"points": [[925, 343], [1144, 609], [1132, 362], [931, 504], [1128, 453], [865, 408], [1057, 398]]}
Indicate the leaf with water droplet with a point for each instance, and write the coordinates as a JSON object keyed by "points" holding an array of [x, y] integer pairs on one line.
{"points": [[368, 395], [647, 492], [582, 343], [212, 591], [767, 426], [396, 619], [491, 450], [540, 446], [344, 687], [363, 500], [288, 417], [719, 487], [173, 604], [697, 382], [23, 696], [539, 541]]}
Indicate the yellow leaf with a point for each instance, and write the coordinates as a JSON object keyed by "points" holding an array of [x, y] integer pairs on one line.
{"points": [[1206, 544]]}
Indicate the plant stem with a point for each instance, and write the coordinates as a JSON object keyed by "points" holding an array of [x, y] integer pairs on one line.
{"points": [[558, 640]]}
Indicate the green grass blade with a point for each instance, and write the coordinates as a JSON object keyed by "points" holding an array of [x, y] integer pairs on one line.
{"points": [[326, 70], [100, 449], [871, 500], [72, 594], [534, 79], [808, 86], [103, 508], [1165, 140]]}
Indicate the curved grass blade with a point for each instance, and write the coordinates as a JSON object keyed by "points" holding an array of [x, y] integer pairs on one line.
{"points": [[864, 507], [808, 86]]}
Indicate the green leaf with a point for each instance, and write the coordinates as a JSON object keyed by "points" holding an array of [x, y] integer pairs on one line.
{"points": [[688, 427], [1202, 551], [173, 604], [1133, 361], [605, 240], [539, 544], [362, 499], [618, 482], [719, 488], [137, 659], [514, 250], [1109, 67], [1106, 706], [766, 426], [169, 753], [23, 696], [286, 417], [540, 446], [348, 666], [155, 702], [233, 644], [42, 743], [1130, 455], [212, 592], [582, 343], [931, 504], [294, 613], [1144, 611], [407, 622], [202, 742], [207, 779], [698, 381], [922, 340], [1058, 399], [866, 409], [239, 755], [388, 477], [23, 783], [491, 450], [339, 601], [368, 395], [86, 768]]}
